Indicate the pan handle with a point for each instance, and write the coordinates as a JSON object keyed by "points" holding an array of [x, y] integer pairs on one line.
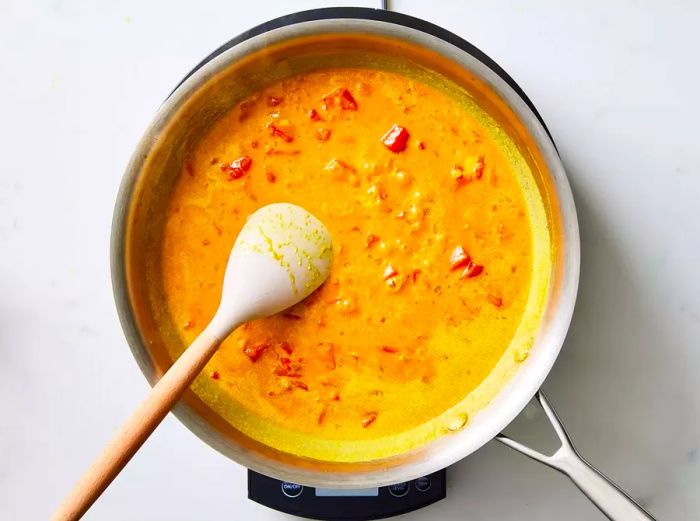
{"points": [[608, 497]]}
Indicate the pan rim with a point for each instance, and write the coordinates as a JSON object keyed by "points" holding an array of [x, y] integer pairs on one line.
{"points": [[523, 108]]}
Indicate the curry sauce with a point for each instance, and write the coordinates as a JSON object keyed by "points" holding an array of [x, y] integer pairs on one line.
{"points": [[436, 274]]}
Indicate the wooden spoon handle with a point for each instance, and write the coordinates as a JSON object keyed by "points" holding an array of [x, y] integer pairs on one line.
{"points": [[137, 428]]}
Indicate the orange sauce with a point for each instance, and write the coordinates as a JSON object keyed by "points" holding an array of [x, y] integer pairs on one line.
{"points": [[433, 248]]}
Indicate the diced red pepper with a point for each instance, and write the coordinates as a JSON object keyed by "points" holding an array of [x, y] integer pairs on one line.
{"points": [[323, 134], [414, 275], [343, 97], [389, 272], [238, 168], [254, 352], [322, 415], [214, 375], [273, 101], [371, 239], [459, 258], [421, 145], [331, 356], [286, 347], [478, 169], [396, 138], [286, 368], [389, 349], [275, 130], [314, 115], [472, 270], [495, 300], [300, 385], [369, 419], [347, 102], [271, 177]]}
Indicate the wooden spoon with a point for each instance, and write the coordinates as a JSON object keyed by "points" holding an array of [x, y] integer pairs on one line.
{"points": [[282, 255]]}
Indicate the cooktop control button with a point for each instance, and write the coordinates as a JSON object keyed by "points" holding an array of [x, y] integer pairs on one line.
{"points": [[291, 489], [423, 484], [399, 489]]}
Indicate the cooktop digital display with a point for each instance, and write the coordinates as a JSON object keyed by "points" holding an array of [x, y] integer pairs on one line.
{"points": [[346, 505]]}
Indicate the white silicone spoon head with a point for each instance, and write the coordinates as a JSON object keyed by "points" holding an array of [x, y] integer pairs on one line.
{"points": [[281, 256]]}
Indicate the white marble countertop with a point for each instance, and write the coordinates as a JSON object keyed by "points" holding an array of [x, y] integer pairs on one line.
{"points": [[617, 83]]}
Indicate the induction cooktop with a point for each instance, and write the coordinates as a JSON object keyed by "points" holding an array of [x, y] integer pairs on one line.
{"points": [[346, 505]]}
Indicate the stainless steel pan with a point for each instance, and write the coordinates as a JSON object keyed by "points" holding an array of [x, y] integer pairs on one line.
{"points": [[326, 38]]}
